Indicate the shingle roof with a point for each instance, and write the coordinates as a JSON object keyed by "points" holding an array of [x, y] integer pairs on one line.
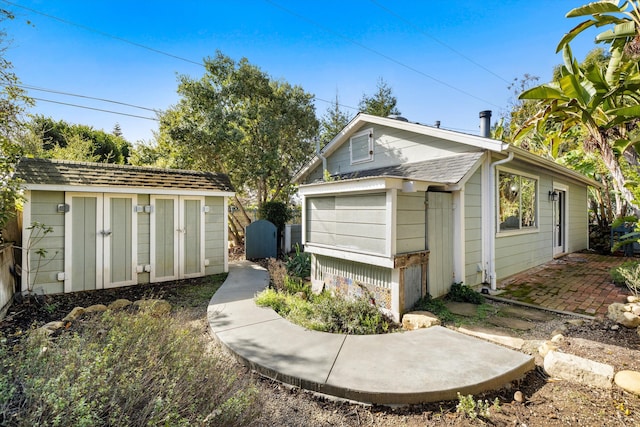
{"points": [[61, 172], [444, 170]]}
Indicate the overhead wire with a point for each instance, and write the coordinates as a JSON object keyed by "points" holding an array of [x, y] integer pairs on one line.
{"points": [[435, 39], [96, 109], [376, 52]]}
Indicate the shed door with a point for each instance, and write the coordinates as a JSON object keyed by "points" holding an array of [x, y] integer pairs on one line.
{"points": [[177, 238], [439, 242], [99, 241]]}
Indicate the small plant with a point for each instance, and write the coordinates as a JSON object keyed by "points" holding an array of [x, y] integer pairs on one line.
{"points": [[631, 277], [435, 306], [616, 274], [473, 409], [37, 232], [299, 265], [462, 293], [294, 285]]}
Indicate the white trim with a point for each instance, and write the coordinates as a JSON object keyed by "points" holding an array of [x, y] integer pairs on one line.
{"points": [[225, 232], [26, 222], [565, 223], [391, 221], [369, 134], [304, 222], [183, 236], [459, 249], [350, 186], [152, 238], [340, 253], [127, 190], [520, 229], [107, 241]]}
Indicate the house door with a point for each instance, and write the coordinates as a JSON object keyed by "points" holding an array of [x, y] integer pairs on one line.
{"points": [[559, 222], [177, 238], [439, 243], [99, 241]]}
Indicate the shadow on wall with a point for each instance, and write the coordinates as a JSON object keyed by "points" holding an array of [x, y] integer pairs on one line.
{"points": [[6, 277]]}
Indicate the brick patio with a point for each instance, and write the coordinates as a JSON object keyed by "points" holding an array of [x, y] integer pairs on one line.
{"points": [[578, 283]]}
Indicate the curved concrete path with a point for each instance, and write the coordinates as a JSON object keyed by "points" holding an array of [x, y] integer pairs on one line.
{"points": [[426, 365]]}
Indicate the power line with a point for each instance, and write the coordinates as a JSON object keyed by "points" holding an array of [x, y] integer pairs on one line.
{"points": [[40, 89], [102, 33], [96, 109], [462, 55], [387, 57]]}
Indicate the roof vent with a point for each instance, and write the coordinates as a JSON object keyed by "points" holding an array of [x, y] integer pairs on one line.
{"points": [[397, 117], [437, 124], [485, 123]]}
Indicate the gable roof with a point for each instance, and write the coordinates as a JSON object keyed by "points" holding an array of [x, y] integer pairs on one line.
{"points": [[443, 170], [77, 176]]}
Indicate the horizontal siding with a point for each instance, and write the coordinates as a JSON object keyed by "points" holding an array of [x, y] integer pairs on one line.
{"points": [[216, 237], [473, 229], [578, 220], [364, 273], [355, 222], [410, 220]]}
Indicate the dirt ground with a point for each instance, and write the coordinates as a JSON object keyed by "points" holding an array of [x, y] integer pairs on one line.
{"points": [[546, 402]]}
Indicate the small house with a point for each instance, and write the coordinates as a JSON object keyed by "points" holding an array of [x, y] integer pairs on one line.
{"points": [[105, 225], [398, 210]]}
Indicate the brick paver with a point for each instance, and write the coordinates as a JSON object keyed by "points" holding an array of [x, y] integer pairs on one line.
{"points": [[579, 283]]}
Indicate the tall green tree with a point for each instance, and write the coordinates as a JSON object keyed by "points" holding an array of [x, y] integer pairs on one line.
{"points": [[332, 122], [382, 103], [13, 104], [236, 119]]}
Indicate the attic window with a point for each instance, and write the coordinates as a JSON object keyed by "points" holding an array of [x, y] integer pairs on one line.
{"points": [[361, 147]]}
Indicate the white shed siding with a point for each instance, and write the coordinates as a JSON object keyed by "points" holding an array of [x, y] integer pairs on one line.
{"points": [[44, 210], [473, 229], [354, 222], [391, 147], [527, 249], [144, 235], [215, 235], [411, 230]]}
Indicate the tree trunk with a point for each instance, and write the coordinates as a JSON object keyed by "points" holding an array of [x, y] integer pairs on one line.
{"points": [[242, 210], [233, 231]]}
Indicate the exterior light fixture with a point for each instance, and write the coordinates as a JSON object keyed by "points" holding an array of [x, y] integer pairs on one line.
{"points": [[553, 196]]}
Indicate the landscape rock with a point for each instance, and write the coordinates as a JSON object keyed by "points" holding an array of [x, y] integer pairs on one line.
{"points": [[518, 396], [511, 323], [620, 313], [155, 307], [493, 335], [628, 381], [95, 308], [558, 338], [576, 322], [526, 313], [74, 314], [119, 304], [419, 319], [53, 326], [633, 298], [546, 347], [465, 309], [576, 369], [561, 330]]}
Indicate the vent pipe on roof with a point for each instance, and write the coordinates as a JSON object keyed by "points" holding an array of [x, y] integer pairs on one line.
{"points": [[397, 117], [485, 123], [437, 124]]}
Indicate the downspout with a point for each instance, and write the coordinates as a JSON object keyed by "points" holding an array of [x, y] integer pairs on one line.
{"points": [[493, 219], [324, 159]]}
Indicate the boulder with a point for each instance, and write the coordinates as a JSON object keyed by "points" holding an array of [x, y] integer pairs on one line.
{"points": [[576, 369], [633, 298], [494, 335], [628, 381], [419, 319], [74, 314], [576, 322], [119, 304], [155, 307], [546, 347], [95, 308], [620, 313], [53, 326]]}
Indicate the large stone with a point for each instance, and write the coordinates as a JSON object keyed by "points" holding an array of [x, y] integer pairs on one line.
{"points": [[628, 381], [633, 298], [95, 308], [511, 323], [119, 304], [576, 322], [53, 326], [526, 313], [546, 347], [576, 369], [462, 308], [620, 313], [74, 314], [156, 307], [419, 319]]}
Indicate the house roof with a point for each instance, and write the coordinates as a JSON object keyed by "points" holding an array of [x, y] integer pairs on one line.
{"points": [[443, 170], [45, 173]]}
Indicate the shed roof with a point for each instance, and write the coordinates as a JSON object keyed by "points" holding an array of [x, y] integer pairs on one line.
{"points": [[443, 170], [62, 173]]}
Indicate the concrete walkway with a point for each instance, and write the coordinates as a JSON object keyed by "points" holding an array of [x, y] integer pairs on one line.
{"points": [[578, 283], [400, 368]]}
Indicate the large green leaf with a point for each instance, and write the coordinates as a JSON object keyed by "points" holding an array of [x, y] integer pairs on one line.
{"points": [[542, 92], [594, 8], [573, 33], [621, 30], [572, 88]]}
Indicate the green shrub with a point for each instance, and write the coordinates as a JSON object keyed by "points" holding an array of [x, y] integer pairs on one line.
{"points": [[119, 369], [462, 293], [352, 316], [436, 307], [616, 272], [299, 265]]}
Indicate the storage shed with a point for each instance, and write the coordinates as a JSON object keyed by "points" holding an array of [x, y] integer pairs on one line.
{"points": [[119, 225]]}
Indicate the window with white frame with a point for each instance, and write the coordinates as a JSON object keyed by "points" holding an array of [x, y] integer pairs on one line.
{"points": [[517, 201], [361, 146]]}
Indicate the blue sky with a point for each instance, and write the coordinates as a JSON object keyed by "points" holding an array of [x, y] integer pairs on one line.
{"points": [[444, 60]]}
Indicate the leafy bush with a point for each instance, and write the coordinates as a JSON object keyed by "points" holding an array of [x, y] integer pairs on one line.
{"points": [[435, 306], [299, 265], [463, 293], [120, 369], [294, 285], [277, 213], [616, 272], [631, 275]]}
